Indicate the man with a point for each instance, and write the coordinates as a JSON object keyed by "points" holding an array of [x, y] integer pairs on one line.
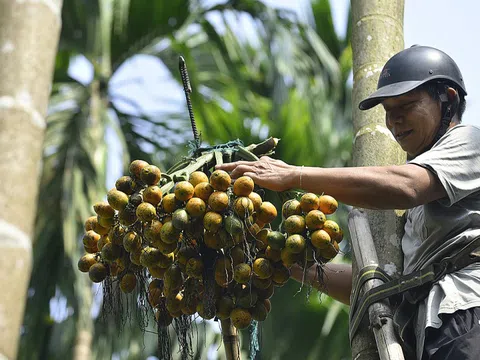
{"points": [[422, 92]]}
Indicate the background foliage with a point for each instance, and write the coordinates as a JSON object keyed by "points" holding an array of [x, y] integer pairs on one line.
{"points": [[281, 78]]}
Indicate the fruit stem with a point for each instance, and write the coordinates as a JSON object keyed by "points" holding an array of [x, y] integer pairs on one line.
{"points": [[193, 166], [230, 340]]}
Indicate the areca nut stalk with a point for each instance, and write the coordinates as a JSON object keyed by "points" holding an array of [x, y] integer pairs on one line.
{"points": [[377, 35], [29, 33]]}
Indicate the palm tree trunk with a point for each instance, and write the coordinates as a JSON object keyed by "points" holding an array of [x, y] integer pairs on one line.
{"points": [[84, 336], [29, 33], [377, 35], [85, 325]]}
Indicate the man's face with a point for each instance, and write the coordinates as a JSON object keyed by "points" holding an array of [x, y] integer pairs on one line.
{"points": [[413, 119]]}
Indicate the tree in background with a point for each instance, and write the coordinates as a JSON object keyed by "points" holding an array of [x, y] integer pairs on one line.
{"points": [[28, 42], [289, 81]]}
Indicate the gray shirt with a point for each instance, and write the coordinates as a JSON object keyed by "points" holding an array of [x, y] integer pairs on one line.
{"points": [[439, 228]]}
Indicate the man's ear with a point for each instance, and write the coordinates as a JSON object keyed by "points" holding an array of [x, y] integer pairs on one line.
{"points": [[451, 93]]}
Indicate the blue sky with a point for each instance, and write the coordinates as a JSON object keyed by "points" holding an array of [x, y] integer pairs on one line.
{"points": [[450, 26]]}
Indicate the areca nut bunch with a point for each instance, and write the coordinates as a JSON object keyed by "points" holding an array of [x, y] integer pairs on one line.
{"points": [[202, 245], [309, 236]]}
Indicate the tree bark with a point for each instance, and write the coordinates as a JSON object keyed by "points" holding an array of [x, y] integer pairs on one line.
{"points": [[377, 35], [29, 32]]}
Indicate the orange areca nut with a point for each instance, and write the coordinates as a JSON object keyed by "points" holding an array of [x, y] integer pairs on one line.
{"points": [[104, 239], [309, 202], [128, 282], [197, 177], [213, 240], [242, 273], [125, 184], [262, 268], [332, 228], [330, 251], [295, 224], [86, 261], [131, 241], [90, 239], [256, 200], [218, 201], [267, 212], [243, 207], [106, 223], [111, 252], [243, 186], [184, 190], [196, 207], [288, 258], [295, 244], [152, 231], [212, 221], [146, 212], [320, 239], [97, 272], [150, 175], [203, 190], [136, 167], [315, 219], [103, 209], [220, 180], [169, 203], [281, 274], [327, 204], [117, 199], [273, 254], [153, 195], [241, 318], [90, 223], [291, 207]]}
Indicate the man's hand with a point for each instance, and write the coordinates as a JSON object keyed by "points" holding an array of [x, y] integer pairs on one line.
{"points": [[268, 173]]}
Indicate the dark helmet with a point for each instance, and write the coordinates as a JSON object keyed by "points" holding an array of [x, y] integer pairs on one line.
{"points": [[411, 68]]}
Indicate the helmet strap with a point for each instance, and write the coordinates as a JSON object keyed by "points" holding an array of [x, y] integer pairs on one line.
{"points": [[449, 109]]}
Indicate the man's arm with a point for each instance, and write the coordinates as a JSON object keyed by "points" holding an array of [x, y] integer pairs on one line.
{"points": [[372, 187], [336, 281]]}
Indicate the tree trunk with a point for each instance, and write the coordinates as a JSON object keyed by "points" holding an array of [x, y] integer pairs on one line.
{"points": [[377, 35], [85, 328], [29, 33], [85, 325]]}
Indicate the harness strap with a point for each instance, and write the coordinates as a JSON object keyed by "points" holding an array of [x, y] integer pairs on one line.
{"points": [[390, 288], [407, 283], [368, 272]]}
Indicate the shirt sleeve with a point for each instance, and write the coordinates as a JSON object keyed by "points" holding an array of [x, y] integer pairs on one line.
{"points": [[455, 160]]}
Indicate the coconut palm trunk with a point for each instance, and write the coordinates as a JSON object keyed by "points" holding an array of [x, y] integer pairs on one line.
{"points": [[29, 33], [377, 35]]}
